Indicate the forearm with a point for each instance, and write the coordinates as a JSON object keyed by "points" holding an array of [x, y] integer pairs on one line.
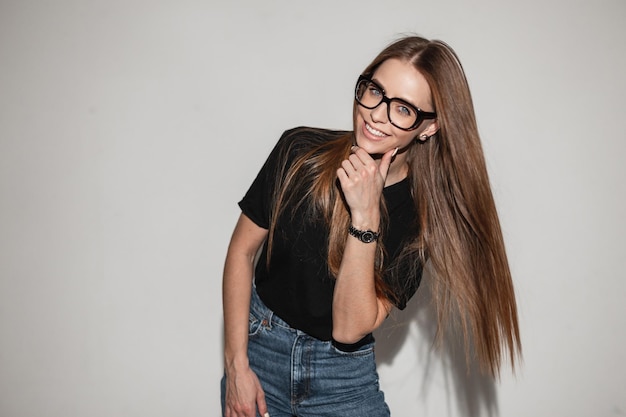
{"points": [[237, 290], [356, 309], [236, 293]]}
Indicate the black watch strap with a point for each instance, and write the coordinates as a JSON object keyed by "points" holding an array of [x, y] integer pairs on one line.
{"points": [[365, 236]]}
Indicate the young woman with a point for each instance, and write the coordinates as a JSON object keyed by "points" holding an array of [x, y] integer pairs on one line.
{"points": [[347, 221]]}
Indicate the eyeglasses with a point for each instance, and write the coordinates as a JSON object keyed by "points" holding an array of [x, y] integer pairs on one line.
{"points": [[401, 114]]}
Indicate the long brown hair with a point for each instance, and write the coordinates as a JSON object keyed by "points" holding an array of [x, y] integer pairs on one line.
{"points": [[459, 231]]}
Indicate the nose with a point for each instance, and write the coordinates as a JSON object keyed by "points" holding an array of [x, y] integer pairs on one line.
{"points": [[379, 113]]}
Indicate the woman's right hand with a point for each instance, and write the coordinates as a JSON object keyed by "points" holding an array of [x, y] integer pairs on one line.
{"points": [[244, 394]]}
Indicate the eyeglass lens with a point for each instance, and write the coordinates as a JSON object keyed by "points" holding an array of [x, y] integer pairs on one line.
{"points": [[401, 114]]}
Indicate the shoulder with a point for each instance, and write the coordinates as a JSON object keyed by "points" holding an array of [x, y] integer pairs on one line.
{"points": [[304, 137], [301, 145]]}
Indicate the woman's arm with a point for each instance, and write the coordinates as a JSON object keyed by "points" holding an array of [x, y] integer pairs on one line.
{"points": [[243, 390], [357, 311]]}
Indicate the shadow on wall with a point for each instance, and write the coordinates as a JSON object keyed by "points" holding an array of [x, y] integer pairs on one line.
{"points": [[475, 394]]}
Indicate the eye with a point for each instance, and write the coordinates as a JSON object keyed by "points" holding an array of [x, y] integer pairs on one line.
{"points": [[374, 91], [403, 110]]}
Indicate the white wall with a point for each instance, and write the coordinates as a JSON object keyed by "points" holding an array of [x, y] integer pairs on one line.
{"points": [[130, 129]]}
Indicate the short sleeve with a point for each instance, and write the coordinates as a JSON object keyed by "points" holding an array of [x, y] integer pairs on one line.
{"points": [[404, 279], [257, 202]]}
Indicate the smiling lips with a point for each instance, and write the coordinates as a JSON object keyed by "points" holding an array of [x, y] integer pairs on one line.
{"points": [[374, 132]]}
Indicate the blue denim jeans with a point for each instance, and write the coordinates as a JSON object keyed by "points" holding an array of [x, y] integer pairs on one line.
{"points": [[305, 377]]}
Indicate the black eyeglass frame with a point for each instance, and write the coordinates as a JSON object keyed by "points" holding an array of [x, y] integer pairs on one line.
{"points": [[421, 115]]}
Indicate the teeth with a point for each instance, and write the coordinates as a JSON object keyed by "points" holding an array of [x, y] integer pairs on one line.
{"points": [[374, 131]]}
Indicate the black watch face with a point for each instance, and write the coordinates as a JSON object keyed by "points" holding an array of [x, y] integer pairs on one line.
{"points": [[368, 237]]}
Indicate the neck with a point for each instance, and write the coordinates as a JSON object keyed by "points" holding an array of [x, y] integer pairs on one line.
{"points": [[398, 170]]}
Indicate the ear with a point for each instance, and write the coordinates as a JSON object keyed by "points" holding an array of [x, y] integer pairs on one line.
{"points": [[432, 128]]}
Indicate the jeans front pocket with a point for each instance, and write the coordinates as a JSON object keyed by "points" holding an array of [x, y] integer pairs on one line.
{"points": [[254, 325]]}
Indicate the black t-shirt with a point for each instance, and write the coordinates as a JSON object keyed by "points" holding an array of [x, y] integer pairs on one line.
{"points": [[298, 286]]}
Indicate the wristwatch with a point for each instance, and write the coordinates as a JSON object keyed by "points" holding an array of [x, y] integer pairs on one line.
{"points": [[365, 236]]}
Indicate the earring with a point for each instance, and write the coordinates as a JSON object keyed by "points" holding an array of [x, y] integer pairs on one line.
{"points": [[424, 137]]}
